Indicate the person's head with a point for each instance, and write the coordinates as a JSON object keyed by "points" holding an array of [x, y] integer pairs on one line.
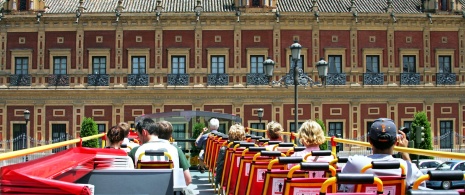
{"points": [[214, 124], [311, 134], [145, 128], [383, 134], [163, 129], [125, 127], [274, 131], [236, 133], [115, 135]]}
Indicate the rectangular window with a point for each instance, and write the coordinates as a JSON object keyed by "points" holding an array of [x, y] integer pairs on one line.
{"points": [[19, 137], [372, 64], [21, 65], [222, 128], [178, 65], [179, 132], [336, 129], [99, 65], [59, 135], [218, 64], [101, 129], [59, 65], [293, 129], [445, 64], [409, 64], [256, 64], [138, 64], [299, 63], [446, 134], [260, 126], [365, 138], [335, 64]]}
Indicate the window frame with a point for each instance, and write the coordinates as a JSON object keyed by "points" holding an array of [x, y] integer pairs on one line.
{"points": [[178, 68], [218, 52], [445, 52], [409, 52], [218, 64], [138, 52], [22, 66], [373, 52], [336, 52], [257, 69], [59, 53], [255, 52], [179, 52], [27, 53], [448, 144], [98, 52], [138, 65], [99, 69], [338, 71], [60, 68]]}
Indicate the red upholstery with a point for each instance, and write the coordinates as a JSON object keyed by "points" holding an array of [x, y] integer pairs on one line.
{"points": [[245, 171], [393, 185], [274, 177], [233, 170]]}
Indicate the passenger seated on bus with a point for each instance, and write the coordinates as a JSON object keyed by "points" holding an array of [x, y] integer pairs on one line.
{"points": [[115, 136], [383, 137], [201, 141], [274, 132], [183, 163], [311, 136], [125, 126], [236, 133], [148, 132]]}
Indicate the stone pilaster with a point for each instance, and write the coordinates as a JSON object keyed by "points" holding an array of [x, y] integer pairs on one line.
{"points": [[40, 126], [120, 72], [353, 57], [158, 79], [78, 110], [462, 56], [118, 111], [79, 57], [428, 72], [317, 109], [198, 56], [3, 127], [276, 45], [3, 42], [354, 118], [391, 56], [237, 54], [316, 43]]}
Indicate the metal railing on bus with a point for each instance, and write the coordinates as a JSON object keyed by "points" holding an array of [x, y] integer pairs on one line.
{"points": [[29, 151]]}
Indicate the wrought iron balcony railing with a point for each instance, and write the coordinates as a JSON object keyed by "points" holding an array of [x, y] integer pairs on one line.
{"points": [[178, 79], [445, 78], [257, 79], [98, 80], [336, 79], [373, 78], [409, 78], [20, 80], [58, 80], [138, 79], [217, 79]]}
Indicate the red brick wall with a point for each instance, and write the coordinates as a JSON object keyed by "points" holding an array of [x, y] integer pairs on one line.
{"points": [[452, 43], [69, 38], [90, 38], [364, 42], [305, 39], [56, 116], [344, 114], [288, 114], [250, 113], [13, 43], [400, 42], [128, 111], [227, 41], [107, 115], [266, 37], [19, 116], [148, 41], [169, 41], [366, 114], [326, 41]]}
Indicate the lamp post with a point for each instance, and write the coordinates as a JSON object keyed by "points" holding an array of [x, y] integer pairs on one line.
{"points": [[297, 77], [260, 116], [27, 114]]}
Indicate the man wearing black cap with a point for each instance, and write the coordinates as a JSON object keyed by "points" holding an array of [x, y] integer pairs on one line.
{"points": [[383, 136]]}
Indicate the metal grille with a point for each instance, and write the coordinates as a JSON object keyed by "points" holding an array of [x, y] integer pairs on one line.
{"points": [[58, 80], [445, 78], [138, 79], [409, 78], [178, 79], [336, 79], [218, 79], [373, 78], [98, 80], [20, 80]]}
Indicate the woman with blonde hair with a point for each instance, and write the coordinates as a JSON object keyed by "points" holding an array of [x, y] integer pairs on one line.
{"points": [[274, 132], [311, 135], [236, 133]]}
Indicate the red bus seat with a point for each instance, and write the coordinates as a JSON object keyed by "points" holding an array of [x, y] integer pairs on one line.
{"points": [[234, 166], [227, 163], [349, 178], [393, 185], [309, 185], [294, 149], [249, 156], [275, 172]]}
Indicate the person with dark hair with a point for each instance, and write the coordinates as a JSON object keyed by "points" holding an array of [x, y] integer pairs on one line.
{"points": [[129, 144], [149, 132], [383, 136], [115, 136]]}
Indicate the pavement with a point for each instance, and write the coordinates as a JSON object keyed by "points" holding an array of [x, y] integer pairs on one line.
{"points": [[201, 181]]}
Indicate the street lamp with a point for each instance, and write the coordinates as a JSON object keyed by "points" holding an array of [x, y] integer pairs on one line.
{"points": [[27, 114], [260, 116], [297, 77]]}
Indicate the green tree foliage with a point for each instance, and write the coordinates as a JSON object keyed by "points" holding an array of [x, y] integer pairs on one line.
{"points": [[89, 128], [420, 119], [198, 127], [323, 146]]}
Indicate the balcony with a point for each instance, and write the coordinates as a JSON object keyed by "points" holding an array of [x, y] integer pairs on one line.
{"points": [[336, 79], [217, 79], [58, 80], [257, 79], [445, 78], [373, 78], [178, 79], [20, 80], [98, 80], [409, 78], [138, 79]]}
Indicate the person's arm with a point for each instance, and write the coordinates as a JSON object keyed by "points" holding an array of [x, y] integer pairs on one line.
{"points": [[199, 140], [403, 142], [187, 177]]}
